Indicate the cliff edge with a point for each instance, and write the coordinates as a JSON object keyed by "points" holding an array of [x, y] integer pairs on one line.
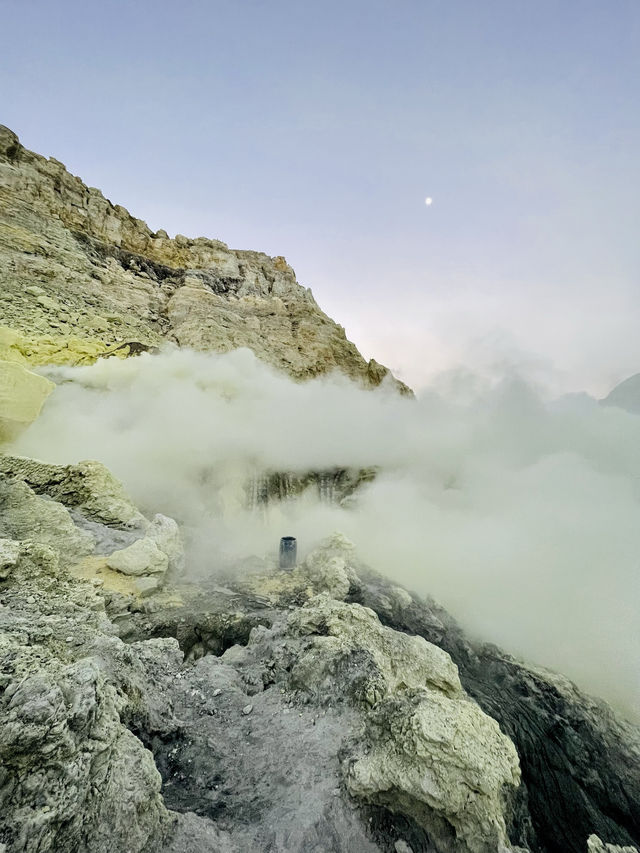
{"points": [[80, 278]]}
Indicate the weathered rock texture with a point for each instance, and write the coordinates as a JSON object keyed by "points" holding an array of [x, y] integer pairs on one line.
{"points": [[287, 732], [81, 277], [322, 709], [22, 394], [72, 777], [595, 845], [580, 764], [84, 512]]}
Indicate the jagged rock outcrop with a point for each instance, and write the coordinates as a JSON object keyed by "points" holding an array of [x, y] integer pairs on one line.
{"points": [[72, 777], [81, 277], [580, 764], [75, 701], [84, 512], [595, 845], [333, 486], [290, 720]]}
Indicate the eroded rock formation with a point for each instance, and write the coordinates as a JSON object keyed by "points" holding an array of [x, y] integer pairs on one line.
{"points": [[81, 277]]}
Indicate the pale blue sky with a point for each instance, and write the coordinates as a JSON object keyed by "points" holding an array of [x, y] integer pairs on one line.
{"points": [[316, 131]]}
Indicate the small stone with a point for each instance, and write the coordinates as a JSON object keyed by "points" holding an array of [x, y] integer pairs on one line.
{"points": [[217, 691], [143, 557], [69, 640], [401, 846], [47, 302], [145, 586], [247, 709]]}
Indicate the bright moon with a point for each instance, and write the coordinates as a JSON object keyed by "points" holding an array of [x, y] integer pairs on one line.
{"points": [[428, 201]]}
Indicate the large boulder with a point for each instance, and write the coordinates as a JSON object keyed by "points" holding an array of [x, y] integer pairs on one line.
{"points": [[428, 751], [22, 394], [26, 515]]}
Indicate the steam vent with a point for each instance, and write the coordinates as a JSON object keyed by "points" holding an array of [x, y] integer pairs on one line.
{"points": [[164, 687]]}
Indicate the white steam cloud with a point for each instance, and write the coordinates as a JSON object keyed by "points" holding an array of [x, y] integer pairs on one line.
{"points": [[520, 516]]}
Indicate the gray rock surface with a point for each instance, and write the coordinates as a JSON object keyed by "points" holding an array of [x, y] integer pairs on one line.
{"points": [[88, 486], [317, 709], [72, 777], [84, 512], [257, 746]]}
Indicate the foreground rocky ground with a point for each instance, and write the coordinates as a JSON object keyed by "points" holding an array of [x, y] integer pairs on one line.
{"points": [[322, 709]]}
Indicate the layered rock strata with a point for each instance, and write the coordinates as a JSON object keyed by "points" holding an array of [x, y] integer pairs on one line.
{"points": [[81, 277]]}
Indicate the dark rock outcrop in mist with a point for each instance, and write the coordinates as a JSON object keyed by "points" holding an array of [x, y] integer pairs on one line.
{"points": [[625, 396], [580, 764]]}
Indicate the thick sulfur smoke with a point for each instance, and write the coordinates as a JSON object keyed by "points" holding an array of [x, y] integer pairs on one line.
{"points": [[521, 517]]}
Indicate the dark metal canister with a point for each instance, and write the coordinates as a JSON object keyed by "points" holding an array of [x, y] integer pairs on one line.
{"points": [[288, 552]]}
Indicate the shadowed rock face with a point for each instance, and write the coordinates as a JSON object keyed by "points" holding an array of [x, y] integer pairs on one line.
{"points": [[580, 765], [333, 486], [625, 396], [81, 277]]}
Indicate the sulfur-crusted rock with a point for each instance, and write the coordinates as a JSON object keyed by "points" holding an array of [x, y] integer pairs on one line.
{"points": [[397, 661], [165, 533], [442, 761], [428, 751], [143, 557], [88, 486], [332, 568], [83, 510], [25, 515], [22, 394], [9, 556]]}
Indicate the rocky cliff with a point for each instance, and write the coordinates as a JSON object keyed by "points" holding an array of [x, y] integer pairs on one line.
{"points": [[81, 277]]}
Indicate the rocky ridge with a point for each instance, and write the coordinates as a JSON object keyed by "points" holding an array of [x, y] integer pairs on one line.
{"points": [[80, 277]]}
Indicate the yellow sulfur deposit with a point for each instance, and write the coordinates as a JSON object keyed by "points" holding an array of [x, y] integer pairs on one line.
{"points": [[50, 349], [22, 394]]}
